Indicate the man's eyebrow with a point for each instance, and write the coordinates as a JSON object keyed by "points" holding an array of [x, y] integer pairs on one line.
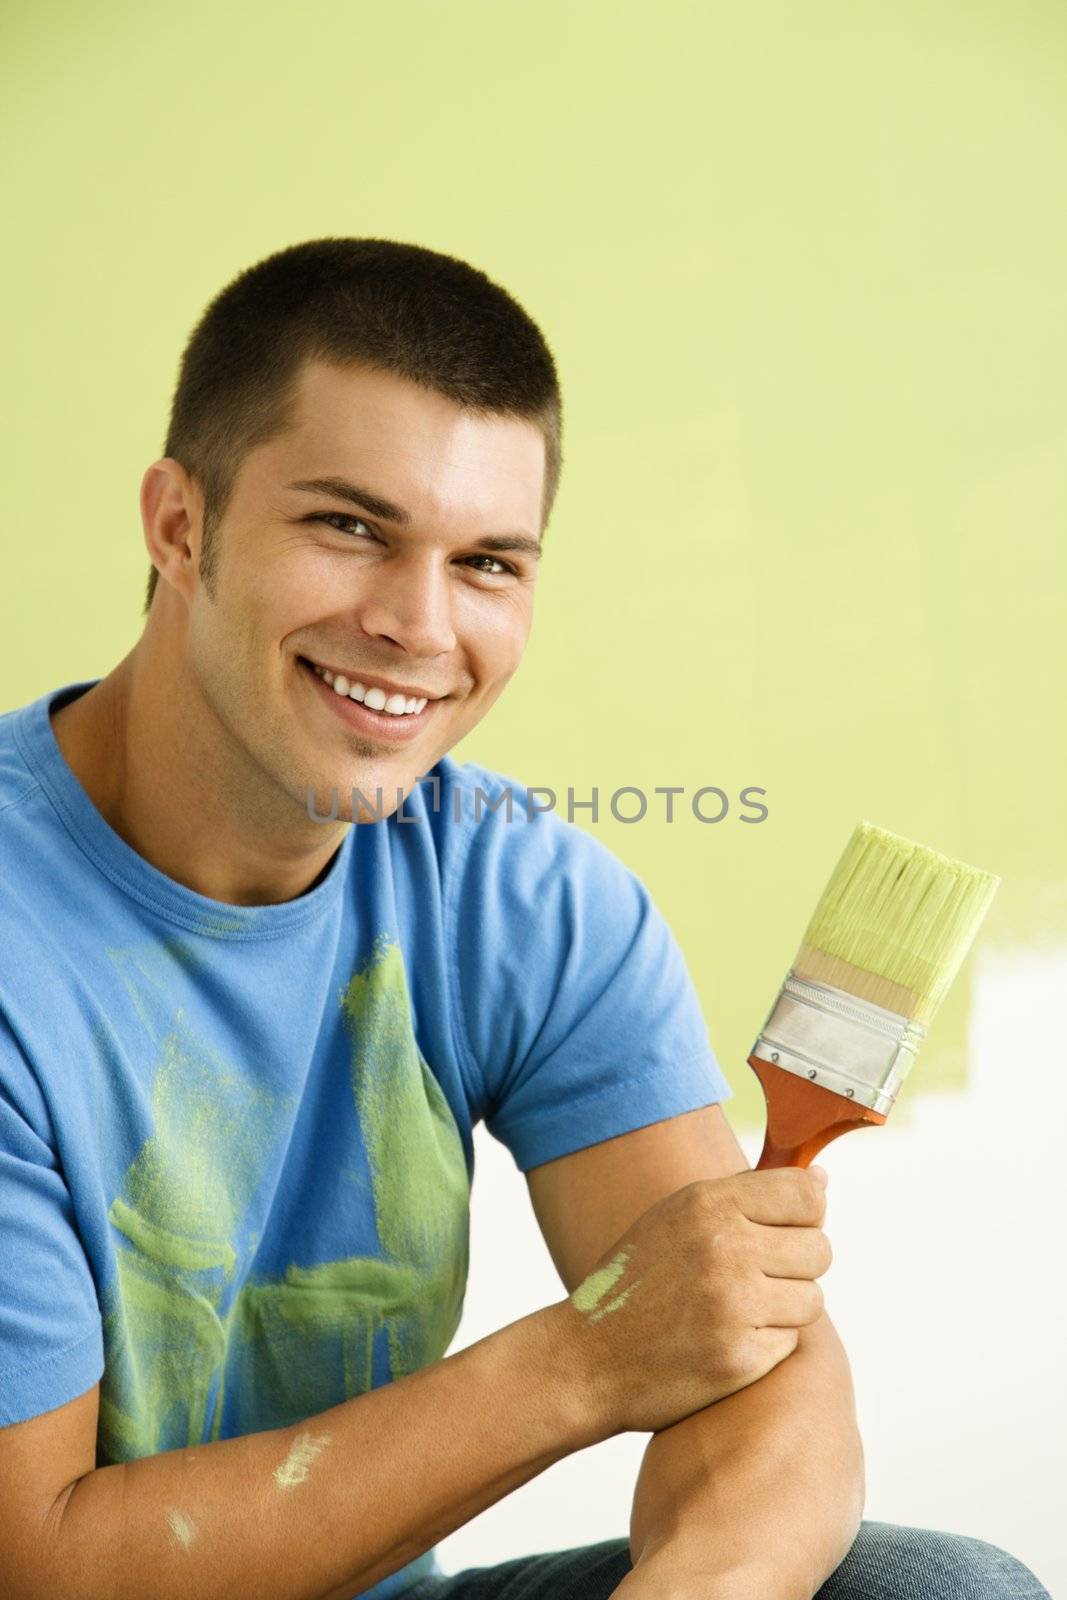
{"points": [[367, 500]]}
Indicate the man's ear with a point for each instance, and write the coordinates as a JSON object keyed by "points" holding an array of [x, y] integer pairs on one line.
{"points": [[172, 515]]}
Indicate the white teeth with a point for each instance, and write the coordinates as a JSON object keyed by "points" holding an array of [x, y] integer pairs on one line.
{"points": [[397, 705]]}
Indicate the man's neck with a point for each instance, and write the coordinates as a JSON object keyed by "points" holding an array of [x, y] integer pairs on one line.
{"points": [[172, 791]]}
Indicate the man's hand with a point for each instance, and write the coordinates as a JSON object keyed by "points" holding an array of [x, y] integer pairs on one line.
{"points": [[702, 1296]]}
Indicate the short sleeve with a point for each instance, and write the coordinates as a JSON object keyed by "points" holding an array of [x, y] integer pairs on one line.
{"points": [[579, 1017], [51, 1343]]}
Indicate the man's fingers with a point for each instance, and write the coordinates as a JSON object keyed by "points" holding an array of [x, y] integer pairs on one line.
{"points": [[791, 1303], [794, 1252], [781, 1196]]}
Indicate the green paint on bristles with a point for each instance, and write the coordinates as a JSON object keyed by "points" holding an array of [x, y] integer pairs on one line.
{"points": [[899, 912]]}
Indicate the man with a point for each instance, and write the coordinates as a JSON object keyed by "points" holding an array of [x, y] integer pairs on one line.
{"points": [[270, 954]]}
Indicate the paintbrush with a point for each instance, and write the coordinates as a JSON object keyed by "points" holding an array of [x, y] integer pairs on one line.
{"points": [[885, 941]]}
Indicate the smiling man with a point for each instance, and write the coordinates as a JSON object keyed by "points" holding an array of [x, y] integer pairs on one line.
{"points": [[367, 602], [246, 1034]]}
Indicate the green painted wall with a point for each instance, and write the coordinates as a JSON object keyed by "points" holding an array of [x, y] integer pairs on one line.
{"points": [[802, 269]]}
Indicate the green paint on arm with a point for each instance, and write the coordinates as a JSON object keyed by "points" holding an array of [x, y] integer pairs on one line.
{"points": [[294, 1469], [592, 1289], [182, 1529], [613, 1305]]}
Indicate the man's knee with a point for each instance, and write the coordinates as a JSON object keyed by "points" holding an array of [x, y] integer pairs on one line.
{"points": [[889, 1561]]}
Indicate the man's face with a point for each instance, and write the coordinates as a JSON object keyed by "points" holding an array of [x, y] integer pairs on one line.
{"points": [[306, 577]]}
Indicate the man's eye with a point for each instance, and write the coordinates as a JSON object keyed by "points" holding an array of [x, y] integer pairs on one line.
{"points": [[334, 517], [503, 566], [496, 568]]}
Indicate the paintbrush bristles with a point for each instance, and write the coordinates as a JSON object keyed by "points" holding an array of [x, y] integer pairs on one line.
{"points": [[895, 922]]}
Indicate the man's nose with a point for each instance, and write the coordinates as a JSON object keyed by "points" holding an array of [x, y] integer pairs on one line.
{"points": [[410, 602]]}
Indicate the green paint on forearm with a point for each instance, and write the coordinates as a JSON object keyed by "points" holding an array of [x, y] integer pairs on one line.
{"points": [[181, 1528], [592, 1289], [294, 1469], [613, 1305]]}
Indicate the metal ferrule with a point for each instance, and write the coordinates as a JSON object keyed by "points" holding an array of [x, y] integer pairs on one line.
{"points": [[847, 1045]]}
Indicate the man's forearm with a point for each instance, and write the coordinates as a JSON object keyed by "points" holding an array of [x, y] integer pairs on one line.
{"points": [[329, 1506], [771, 1477]]}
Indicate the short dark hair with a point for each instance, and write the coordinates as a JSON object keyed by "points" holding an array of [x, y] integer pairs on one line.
{"points": [[397, 307]]}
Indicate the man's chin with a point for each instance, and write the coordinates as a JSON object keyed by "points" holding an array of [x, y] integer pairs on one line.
{"points": [[370, 794]]}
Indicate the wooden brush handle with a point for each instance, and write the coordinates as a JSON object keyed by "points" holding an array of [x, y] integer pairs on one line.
{"points": [[803, 1116]]}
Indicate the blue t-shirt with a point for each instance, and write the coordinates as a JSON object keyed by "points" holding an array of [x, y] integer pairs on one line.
{"points": [[235, 1141]]}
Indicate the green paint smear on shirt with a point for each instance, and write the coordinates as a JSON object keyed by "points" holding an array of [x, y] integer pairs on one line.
{"points": [[214, 1127], [592, 1289], [182, 1199], [418, 1168], [302, 1343]]}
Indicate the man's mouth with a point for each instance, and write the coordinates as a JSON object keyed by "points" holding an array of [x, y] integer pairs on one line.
{"points": [[368, 707], [376, 696]]}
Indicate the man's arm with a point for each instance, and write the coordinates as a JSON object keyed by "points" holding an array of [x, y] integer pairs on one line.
{"points": [[317, 1511], [769, 1479], [763, 1490]]}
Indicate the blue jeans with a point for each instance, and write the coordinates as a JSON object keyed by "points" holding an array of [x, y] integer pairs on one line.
{"points": [[886, 1562]]}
